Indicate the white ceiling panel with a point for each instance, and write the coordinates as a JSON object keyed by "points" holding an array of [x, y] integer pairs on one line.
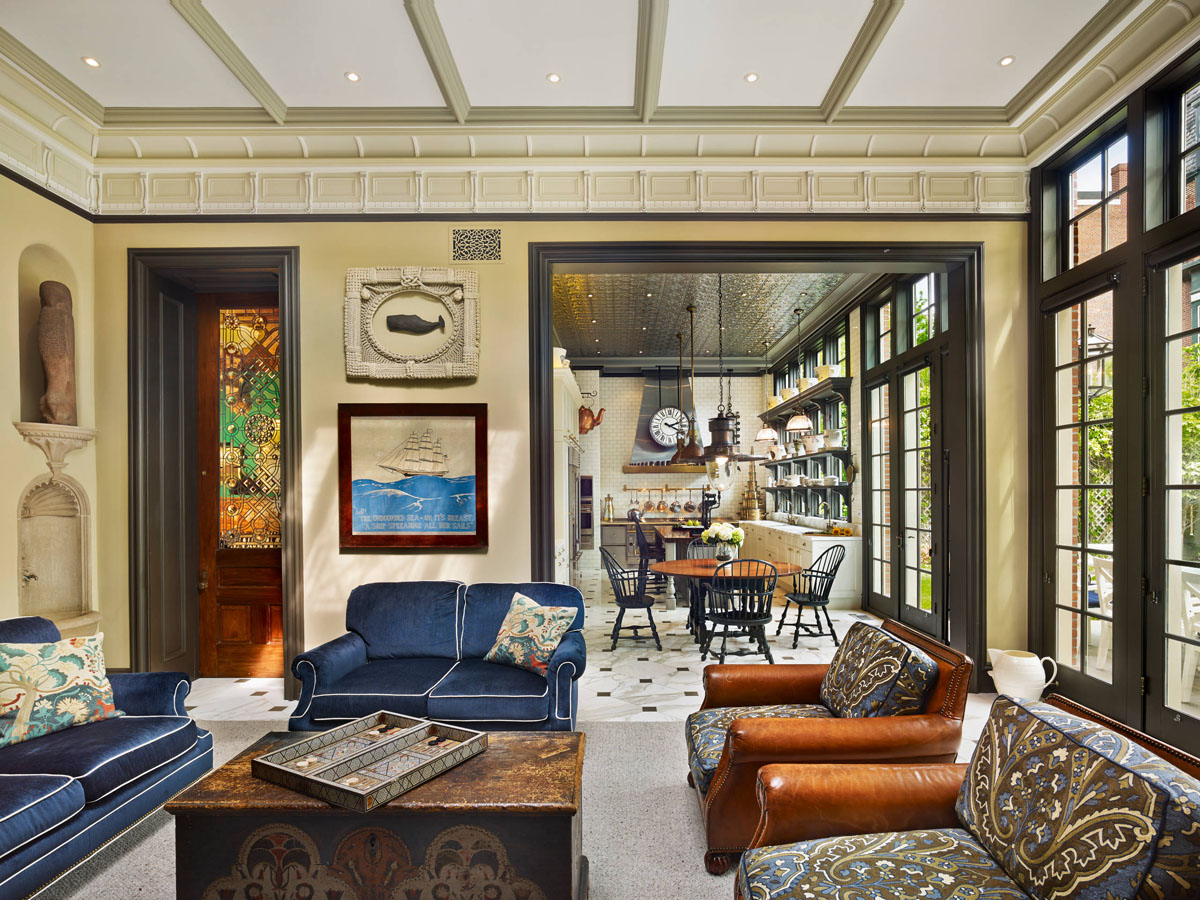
{"points": [[149, 55], [304, 48], [947, 52], [505, 50], [794, 46]]}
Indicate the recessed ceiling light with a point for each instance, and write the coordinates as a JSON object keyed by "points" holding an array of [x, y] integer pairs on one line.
{"points": [[554, 78], [643, 328], [597, 340], [751, 77], [641, 351], [648, 294], [1006, 60], [91, 61], [352, 76], [589, 296]]}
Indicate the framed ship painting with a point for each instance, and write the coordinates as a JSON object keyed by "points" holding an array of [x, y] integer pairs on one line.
{"points": [[413, 475]]}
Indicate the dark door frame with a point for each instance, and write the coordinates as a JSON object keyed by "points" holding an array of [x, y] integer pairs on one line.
{"points": [[197, 264], [968, 584]]}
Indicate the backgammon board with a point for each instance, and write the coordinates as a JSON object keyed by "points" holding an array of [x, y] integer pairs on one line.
{"points": [[368, 762]]}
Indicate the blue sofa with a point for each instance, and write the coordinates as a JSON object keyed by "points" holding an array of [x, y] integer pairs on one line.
{"points": [[64, 795], [417, 648]]}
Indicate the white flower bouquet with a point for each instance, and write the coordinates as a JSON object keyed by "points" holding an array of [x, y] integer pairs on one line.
{"points": [[726, 536]]}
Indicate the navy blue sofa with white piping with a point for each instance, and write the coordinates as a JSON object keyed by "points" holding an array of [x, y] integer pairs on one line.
{"points": [[417, 648], [66, 794]]}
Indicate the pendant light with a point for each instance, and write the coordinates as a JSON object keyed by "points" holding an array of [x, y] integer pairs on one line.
{"points": [[799, 421], [722, 428], [692, 453], [767, 434]]}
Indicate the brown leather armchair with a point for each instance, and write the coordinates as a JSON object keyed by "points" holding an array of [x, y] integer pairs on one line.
{"points": [[728, 802], [825, 801]]}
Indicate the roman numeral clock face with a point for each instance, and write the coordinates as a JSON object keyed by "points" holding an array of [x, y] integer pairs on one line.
{"points": [[668, 425]]}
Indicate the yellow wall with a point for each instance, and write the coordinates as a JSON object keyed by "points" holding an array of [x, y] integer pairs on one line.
{"points": [[60, 249], [328, 249]]}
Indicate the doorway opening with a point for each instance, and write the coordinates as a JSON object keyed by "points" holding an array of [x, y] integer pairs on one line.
{"points": [[215, 547], [823, 352]]}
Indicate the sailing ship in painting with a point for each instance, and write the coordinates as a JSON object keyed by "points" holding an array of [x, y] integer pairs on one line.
{"points": [[423, 499]]}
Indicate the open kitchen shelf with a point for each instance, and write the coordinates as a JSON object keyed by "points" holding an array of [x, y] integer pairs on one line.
{"points": [[842, 488], [842, 453], [828, 389]]}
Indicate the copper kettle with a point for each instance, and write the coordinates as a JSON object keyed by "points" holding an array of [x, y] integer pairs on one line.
{"points": [[588, 419]]}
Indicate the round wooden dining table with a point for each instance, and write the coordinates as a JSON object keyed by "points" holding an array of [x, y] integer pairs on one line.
{"points": [[701, 570]]}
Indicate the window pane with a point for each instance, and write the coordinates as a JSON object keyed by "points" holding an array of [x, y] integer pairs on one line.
{"points": [[1189, 172], [1099, 511], [1183, 620], [1097, 630], [1067, 584], [883, 351], [1098, 311], [1183, 509], [1069, 639], [1086, 237], [1067, 334], [1116, 209], [1098, 634], [1068, 469], [1183, 372], [1098, 377], [1183, 434], [1068, 515], [1117, 160], [1084, 185], [1190, 132], [1183, 297], [1099, 454]]}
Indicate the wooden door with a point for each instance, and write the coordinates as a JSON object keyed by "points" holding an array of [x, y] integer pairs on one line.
{"points": [[167, 562], [240, 489]]}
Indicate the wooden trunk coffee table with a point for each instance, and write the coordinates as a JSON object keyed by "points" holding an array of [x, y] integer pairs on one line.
{"points": [[504, 824]]}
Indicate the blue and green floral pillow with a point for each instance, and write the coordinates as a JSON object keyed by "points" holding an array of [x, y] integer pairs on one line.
{"points": [[49, 687], [530, 634]]}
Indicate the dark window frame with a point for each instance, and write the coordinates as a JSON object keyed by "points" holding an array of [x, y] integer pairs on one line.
{"points": [[1098, 145]]}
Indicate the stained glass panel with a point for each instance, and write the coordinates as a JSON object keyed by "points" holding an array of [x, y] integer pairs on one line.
{"points": [[248, 373]]}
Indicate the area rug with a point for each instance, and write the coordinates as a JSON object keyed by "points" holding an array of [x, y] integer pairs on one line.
{"points": [[641, 826]]}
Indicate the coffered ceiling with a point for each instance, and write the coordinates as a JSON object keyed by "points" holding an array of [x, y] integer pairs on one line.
{"points": [[625, 315], [688, 86]]}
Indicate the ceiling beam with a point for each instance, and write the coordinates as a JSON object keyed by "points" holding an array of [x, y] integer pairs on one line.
{"points": [[429, 31], [651, 43], [1083, 43], [883, 13], [50, 78], [223, 47]]}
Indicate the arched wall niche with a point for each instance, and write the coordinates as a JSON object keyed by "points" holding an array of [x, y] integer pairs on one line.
{"points": [[37, 263], [53, 540]]}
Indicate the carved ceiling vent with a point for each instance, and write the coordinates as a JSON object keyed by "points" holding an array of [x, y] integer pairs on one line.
{"points": [[51, 498], [475, 245]]}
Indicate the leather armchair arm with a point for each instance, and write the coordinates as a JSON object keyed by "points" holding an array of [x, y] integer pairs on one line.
{"points": [[917, 738], [753, 685], [805, 802], [150, 693]]}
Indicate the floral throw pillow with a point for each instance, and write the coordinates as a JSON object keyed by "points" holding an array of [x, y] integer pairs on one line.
{"points": [[49, 687], [530, 634]]}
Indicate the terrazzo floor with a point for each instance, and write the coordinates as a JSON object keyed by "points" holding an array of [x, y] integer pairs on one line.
{"points": [[636, 682]]}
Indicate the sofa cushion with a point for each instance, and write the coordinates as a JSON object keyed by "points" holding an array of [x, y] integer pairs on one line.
{"points": [[31, 805], [396, 685], [705, 731], [46, 687], [875, 674], [480, 691], [901, 865], [1063, 819], [28, 630], [529, 634], [1174, 872], [485, 606], [403, 620], [104, 756]]}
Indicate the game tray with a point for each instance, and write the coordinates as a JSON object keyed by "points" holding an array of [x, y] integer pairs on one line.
{"points": [[370, 761]]}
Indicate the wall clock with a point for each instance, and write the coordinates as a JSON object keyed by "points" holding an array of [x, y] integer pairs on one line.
{"points": [[668, 425], [412, 322]]}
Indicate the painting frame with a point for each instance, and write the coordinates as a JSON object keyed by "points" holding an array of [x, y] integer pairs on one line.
{"points": [[350, 538]]}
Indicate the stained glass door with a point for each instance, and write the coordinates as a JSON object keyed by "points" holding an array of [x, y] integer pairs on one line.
{"points": [[241, 630]]}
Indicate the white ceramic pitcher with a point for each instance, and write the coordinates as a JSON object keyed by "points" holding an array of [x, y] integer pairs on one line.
{"points": [[1019, 673]]}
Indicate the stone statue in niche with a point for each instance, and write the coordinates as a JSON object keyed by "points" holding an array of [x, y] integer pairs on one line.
{"points": [[56, 344]]}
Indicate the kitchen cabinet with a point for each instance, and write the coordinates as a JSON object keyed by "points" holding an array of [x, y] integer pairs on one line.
{"points": [[801, 546]]}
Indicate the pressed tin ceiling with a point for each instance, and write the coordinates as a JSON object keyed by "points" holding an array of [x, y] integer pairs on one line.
{"points": [[639, 314]]}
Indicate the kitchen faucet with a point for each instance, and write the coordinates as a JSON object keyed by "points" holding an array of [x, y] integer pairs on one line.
{"points": [[825, 510]]}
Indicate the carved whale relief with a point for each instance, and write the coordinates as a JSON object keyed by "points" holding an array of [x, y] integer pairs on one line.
{"points": [[414, 324]]}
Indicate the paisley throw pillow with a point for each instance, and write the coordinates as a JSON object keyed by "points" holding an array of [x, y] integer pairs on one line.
{"points": [[530, 634], [49, 687]]}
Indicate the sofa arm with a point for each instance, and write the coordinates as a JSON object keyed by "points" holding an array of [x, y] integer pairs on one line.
{"points": [[806, 802], [753, 685], [326, 664], [563, 670], [150, 693], [920, 738]]}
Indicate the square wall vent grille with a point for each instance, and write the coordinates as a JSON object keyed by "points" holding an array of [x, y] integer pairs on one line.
{"points": [[475, 245]]}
